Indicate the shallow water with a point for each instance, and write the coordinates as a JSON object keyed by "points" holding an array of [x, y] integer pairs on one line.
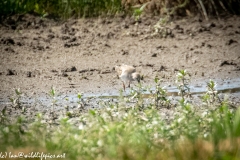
{"points": [[223, 86], [227, 86]]}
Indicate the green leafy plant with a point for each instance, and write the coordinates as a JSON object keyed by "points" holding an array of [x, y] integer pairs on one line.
{"points": [[81, 103], [183, 80], [137, 12], [160, 95], [211, 97], [137, 95], [3, 116], [16, 99], [52, 94]]}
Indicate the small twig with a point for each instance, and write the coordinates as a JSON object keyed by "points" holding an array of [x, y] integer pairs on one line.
{"points": [[222, 5]]}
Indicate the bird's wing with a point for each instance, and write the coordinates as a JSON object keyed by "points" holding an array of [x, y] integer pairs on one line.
{"points": [[127, 69]]}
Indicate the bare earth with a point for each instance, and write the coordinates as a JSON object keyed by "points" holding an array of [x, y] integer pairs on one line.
{"points": [[80, 55]]}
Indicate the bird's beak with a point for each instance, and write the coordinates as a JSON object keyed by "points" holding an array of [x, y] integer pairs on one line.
{"points": [[140, 78]]}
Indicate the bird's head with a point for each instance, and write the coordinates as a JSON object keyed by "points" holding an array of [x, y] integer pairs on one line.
{"points": [[136, 76], [118, 70]]}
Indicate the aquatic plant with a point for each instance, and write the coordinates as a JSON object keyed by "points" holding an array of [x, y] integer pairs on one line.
{"points": [[160, 95]]}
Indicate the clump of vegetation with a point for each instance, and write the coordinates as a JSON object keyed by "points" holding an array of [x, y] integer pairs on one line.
{"points": [[137, 12], [60, 8], [160, 95], [132, 128], [183, 80], [89, 8], [16, 100], [186, 7]]}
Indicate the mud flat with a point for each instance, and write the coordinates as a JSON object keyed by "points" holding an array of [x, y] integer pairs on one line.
{"points": [[78, 56]]}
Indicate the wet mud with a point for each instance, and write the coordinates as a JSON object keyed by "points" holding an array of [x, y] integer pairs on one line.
{"points": [[79, 55]]}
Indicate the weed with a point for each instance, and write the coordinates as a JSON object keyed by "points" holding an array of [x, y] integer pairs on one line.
{"points": [[137, 96], [52, 94], [160, 95], [183, 80], [138, 11], [81, 103], [3, 116], [16, 100], [211, 97], [161, 30]]}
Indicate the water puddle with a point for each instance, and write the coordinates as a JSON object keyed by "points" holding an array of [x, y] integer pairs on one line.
{"points": [[223, 86], [227, 87]]}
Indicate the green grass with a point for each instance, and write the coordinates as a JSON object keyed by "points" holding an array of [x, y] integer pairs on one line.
{"points": [[61, 8], [91, 8], [136, 130]]}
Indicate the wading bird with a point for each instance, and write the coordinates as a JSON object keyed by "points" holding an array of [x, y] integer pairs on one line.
{"points": [[127, 74]]}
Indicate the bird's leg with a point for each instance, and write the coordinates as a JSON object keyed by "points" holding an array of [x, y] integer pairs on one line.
{"points": [[129, 84], [123, 86]]}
